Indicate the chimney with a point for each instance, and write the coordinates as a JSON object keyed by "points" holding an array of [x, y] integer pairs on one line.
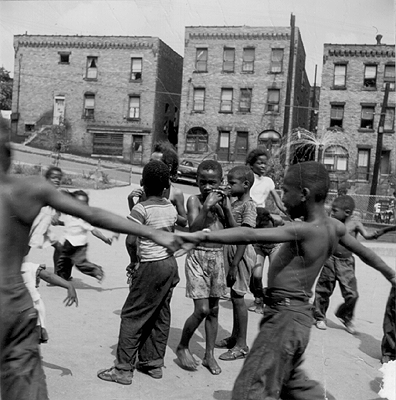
{"points": [[378, 39]]}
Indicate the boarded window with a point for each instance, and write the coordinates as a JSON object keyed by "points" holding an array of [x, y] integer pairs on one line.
{"points": [[108, 144]]}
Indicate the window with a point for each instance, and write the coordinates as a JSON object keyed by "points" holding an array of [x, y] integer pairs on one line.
{"points": [[336, 115], [134, 107], [336, 158], [271, 140], [389, 76], [136, 69], [224, 146], [64, 57], [363, 164], [248, 60], [245, 100], [389, 123], [228, 60], [340, 75], [110, 144], [367, 117], [92, 67], [226, 100], [199, 99], [89, 106], [241, 146], [29, 127], [276, 60], [273, 100], [197, 140], [201, 62], [370, 76], [59, 110]]}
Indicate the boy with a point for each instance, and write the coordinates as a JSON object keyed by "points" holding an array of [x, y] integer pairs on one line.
{"points": [[145, 316], [272, 368], [204, 267], [75, 246], [241, 260], [340, 266], [31, 274], [21, 199]]}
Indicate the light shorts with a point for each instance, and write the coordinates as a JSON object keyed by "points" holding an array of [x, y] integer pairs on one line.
{"points": [[205, 276]]}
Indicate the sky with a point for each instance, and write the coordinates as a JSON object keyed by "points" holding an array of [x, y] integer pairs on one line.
{"points": [[320, 21]]}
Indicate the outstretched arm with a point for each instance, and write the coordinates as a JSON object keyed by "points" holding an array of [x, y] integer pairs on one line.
{"points": [[101, 236], [58, 281], [382, 231], [362, 230]]}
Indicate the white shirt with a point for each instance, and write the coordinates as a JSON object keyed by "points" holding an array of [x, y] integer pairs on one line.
{"points": [[262, 187], [76, 230]]}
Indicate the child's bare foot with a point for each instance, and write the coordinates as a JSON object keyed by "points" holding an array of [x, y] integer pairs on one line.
{"points": [[186, 359], [211, 364]]}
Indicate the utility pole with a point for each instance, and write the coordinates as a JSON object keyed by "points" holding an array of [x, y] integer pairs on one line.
{"points": [[380, 134]]}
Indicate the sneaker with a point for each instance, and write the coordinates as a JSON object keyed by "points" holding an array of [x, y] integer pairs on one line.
{"points": [[258, 303], [321, 325], [155, 372], [348, 325]]}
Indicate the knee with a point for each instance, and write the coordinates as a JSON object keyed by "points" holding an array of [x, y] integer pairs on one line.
{"points": [[202, 312], [214, 312]]}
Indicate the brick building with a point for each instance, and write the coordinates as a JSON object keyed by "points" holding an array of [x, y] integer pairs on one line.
{"points": [[242, 86], [113, 95], [351, 97]]}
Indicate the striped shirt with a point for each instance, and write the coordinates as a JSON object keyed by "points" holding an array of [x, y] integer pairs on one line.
{"points": [[244, 212], [159, 214]]}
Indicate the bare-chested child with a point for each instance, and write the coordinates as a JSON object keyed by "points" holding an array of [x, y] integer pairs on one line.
{"points": [[272, 368], [21, 199], [340, 267], [204, 268]]}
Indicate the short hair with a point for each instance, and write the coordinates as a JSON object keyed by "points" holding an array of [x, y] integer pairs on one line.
{"points": [[169, 156], [80, 193], [51, 169], [255, 154], [155, 177], [345, 202], [208, 165], [243, 173], [311, 175], [263, 217]]}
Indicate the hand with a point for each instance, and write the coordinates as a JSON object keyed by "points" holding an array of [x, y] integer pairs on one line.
{"points": [[393, 281], [213, 199], [71, 296], [231, 276], [108, 241], [136, 192]]}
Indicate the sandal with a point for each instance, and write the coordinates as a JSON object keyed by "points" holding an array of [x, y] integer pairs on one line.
{"points": [[226, 343], [115, 375], [235, 353]]}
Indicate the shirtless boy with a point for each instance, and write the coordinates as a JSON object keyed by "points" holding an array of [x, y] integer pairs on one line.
{"points": [[340, 267], [205, 273], [272, 368], [21, 199]]}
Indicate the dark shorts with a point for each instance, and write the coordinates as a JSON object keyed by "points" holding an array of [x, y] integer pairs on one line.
{"points": [[22, 376]]}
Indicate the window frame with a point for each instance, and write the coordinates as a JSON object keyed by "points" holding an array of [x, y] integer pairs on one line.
{"points": [[64, 54], [203, 62], [89, 111], [272, 106], [241, 96], [193, 136], [88, 69], [195, 100], [245, 63], [389, 111], [228, 64], [223, 101], [333, 118], [389, 79], [224, 153], [370, 83], [363, 169], [139, 110], [336, 157], [136, 79], [372, 108], [336, 84], [276, 66]]}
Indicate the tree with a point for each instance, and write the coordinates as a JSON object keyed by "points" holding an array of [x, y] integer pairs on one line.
{"points": [[5, 89]]}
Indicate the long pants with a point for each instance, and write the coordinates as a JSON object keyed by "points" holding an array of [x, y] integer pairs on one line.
{"points": [[272, 368], [341, 270], [146, 315], [21, 373], [388, 347], [77, 256]]}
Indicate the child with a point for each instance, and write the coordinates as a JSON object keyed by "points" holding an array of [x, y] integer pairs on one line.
{"points": [[264, 220], [204, 267], [42, 234], [272, 368], [31, 274], [263, 186], [74, 249], [340, 267], [241, 259], [145, 316]]}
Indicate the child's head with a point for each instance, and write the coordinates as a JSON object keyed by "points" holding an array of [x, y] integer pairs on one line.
{"points": [[257, 159], [342, 207], [209, 176], [54, 175], [155, 178], [165, 152], [82, 196], [264, 219], [303, 183], [240, 180]]}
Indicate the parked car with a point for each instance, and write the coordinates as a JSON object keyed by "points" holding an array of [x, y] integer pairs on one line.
{"points": [[187, 169]]}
